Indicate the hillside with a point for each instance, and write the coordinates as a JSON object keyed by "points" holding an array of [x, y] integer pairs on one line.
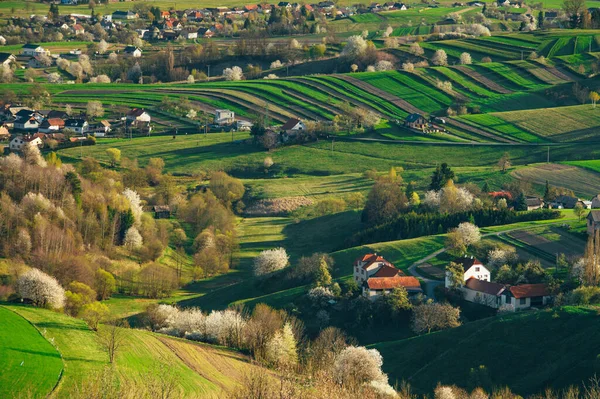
{"points": [[198, 369], [526, 351]]}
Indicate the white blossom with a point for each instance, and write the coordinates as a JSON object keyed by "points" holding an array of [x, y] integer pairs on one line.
{"points": [[42, 289]]}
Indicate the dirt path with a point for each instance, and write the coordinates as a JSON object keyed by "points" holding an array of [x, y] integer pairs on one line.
{"points": [[490, 84]]}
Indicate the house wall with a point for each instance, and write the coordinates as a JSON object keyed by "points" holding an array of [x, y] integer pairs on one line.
{"points": [[482, 274], [481, 298], [591, 226]]}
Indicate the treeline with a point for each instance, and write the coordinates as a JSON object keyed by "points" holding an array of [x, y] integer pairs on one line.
{"points": [[414, 224]]}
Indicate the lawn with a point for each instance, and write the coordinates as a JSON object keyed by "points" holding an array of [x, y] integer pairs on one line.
{"points": [[567, 353], [30, 364]]}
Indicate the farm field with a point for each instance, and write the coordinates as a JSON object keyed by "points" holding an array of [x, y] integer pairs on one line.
{"points": [[142, 354], [591, 165], [583, 182], [565, 350], [26, 356], [547, 241]]}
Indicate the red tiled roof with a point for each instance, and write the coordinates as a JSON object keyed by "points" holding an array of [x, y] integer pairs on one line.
{"points": [[387, 271], [529, 290], [467, 262], [501, 194], [369, 259], [388, 283], [484, 286]]}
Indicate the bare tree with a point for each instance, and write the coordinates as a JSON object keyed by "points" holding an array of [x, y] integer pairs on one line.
{"points": [[112, 338]]}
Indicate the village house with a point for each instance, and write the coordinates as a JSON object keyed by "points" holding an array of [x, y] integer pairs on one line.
{"points": [[132, 51], [51, 125], [377, 277], [593, 221], [79, 126], [127, 15], [472, 268], [161, 211], [19, 142], [495, 295], [189, 34], [138, 115], [78, 29], [415, 121], [596, 202], [100, 129], [31, 50], [534, 203], [6, 59], [27, 120], [205, 33], [4, 133], [224, 117], [567, 202], [293, 125]]}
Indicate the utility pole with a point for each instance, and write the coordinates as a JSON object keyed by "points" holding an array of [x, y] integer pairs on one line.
{"points": [[208, 66], [332, 145], [548, 157]]}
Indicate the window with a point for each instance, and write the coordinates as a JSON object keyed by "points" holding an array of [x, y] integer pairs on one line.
{"points": [[507, 300], [477, 268], [522, 301]]}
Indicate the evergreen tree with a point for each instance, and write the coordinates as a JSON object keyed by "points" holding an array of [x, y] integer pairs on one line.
{"points": [[323, 276], [520, 202], [410, 189], [486, 187], [441, 176]]}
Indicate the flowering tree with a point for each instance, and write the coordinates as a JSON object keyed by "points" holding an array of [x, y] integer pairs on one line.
{"points": [[281, 350], [41, 289], [416, 49], [460, 238], [465, 59], [384, 65], [434, 316], [355, 46], [439, 58], [133, 238], [270, 260], [357, 365], [135, 205], [233, 73]]}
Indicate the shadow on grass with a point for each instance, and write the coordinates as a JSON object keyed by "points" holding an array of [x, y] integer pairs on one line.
{"points": [[32, 352]]}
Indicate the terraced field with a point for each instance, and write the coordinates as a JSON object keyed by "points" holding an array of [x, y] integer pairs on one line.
{"points": [[583, 182]]}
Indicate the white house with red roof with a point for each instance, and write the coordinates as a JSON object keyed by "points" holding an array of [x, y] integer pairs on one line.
{"points": [[378, 277], [472, 268], [495, 295]]}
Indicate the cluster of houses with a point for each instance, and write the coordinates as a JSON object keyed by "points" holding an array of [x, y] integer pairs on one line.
{"points": [[477, 287], [421, 124], [377, 277], [560, 202], [22, 126]]}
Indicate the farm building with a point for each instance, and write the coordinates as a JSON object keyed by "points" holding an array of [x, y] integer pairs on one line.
{"points": [[534, 203], [293, 125], [132, 51], [495, 295], [379, 277], [51, 125], [6, 59], [568, 202], [31, 50], [124, 15], [17, 143], [415, 121], [79, 126], [472, 268], [224, 117], [593, 221], [161, 211]]}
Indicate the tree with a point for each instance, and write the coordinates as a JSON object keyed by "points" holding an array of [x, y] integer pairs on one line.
{"points": [[441, 176], [281, 350], [112, 338], [504, 162], [385, 202], [41, 289], [455, 274], [93, 313], [573, 8], [357, 365], [323, 276], [267, 163], [102, 46], [234, 73], [465, 59], [398, 301], [95, 109], [105, 284], [356, 46], [270, 261], [133, 239], [594, 97], [579, 211], [460, 238], [114, 156], [432, 316], [439, 58], [416, 49]]}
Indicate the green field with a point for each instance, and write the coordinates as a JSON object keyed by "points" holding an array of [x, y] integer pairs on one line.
{"points": [[591, 165], [198, 369], [558, 339], [26, 357]]}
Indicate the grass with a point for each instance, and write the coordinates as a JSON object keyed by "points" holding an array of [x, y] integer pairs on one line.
{"points": [[583, 182], [493, 123], [568, 355], [199, 370], [593, 165], [27, 357]]}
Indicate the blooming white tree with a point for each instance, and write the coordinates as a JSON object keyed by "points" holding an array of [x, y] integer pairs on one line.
{"points": [[281, 350], [355, 46], [294, 44], [191, 114], [100, 79], [135, 204], [432, 316], [469, 233], [270, 260], [54, 77], [370, 68], [465, 59], [442, 392], [384, 65], [102, 46], [501, 256], [357, 365], [41, 289], [408, 67], [276, 64], [190, 79], [388, 31], [271, 76], [416, 49], [477, 30], [439, 58], [133, 238], [95, 109], [233, 73]]}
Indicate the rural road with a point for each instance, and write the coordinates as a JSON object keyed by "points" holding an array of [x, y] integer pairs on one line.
{"points": [[431, 284]]}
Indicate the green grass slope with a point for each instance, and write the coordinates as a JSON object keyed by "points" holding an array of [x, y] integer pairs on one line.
{"points": [[527, 352], [199, 370], [25, 357]]}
